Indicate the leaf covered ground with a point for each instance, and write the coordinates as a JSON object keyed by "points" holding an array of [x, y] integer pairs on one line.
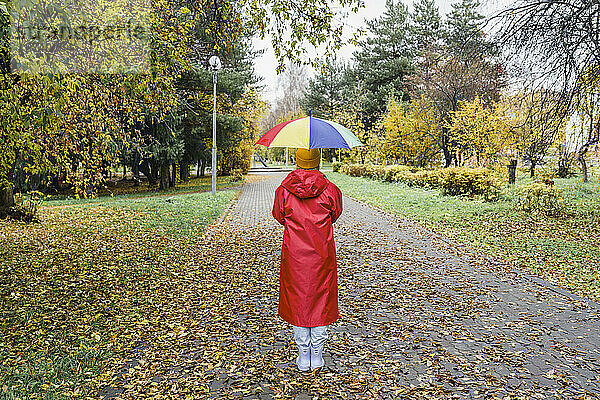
{"points": [[79, 288], [564, 249], [195, 316], [418, 320]]}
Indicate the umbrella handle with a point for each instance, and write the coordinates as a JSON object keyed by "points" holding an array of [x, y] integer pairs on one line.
{"points": [[309, 128]]}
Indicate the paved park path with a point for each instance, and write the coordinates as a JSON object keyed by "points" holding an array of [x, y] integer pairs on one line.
{"points": [[421, 318], [436, 317]]}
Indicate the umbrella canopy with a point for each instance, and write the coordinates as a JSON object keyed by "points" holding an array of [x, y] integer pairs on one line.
{"points": [[310, 133]]}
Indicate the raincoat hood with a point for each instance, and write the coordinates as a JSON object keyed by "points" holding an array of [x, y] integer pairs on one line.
{"points": [[305, 183]]}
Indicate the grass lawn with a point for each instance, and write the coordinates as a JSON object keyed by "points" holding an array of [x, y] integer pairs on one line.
{"points": [[127, 190], [565, 250], [79, 289]]}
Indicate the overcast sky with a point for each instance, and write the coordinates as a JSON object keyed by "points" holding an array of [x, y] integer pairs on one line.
{"points": [[266, 64]]}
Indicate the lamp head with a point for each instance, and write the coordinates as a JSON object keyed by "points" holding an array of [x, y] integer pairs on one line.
{"points": [[215, 63]]}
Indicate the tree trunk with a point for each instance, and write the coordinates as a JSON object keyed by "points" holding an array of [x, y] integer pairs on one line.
{"points": [[145, 168], [583, 163], [202, 167], [564, 163], [135, 168], [7, 200], [563, 170], [532, 169], [173, 175], [124, 172], [164, 175], [184, 172], [447, 157], [155, 170], [512, 171], [7, 196], [198, 169]]}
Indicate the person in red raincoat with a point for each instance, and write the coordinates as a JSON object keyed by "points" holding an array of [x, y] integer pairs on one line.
{"points": [[307, 205]]}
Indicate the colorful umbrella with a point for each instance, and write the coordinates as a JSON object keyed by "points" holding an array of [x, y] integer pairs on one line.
{"points": [[310, 133]]}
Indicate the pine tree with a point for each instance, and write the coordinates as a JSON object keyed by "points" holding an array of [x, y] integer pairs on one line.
{"points": [[328, 90], [385, 59], [427, 25], [463, 34]]}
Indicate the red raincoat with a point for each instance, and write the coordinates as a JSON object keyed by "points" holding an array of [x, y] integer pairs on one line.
{"points": [[307, 205]]}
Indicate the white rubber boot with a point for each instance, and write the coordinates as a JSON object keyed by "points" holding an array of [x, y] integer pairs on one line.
{"points": [[303, 360], [316, 357]]}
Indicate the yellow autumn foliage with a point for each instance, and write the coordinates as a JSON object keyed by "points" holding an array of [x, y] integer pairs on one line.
{"points": [[411, 132], [250, 107], [484, 132]]}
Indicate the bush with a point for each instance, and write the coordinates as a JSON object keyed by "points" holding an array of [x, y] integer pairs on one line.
{"points": [[236, 175], [26, 207], [540, 198], [393, 173], [452, 181], [375, 172], [336, 166], [470, 182], [353, 169], [421, 178]]}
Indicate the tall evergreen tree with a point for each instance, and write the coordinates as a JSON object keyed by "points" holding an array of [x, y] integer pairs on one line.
{"points": [[461, 69], [328, 90], [384, 60], [463, 33], [427, 25]]}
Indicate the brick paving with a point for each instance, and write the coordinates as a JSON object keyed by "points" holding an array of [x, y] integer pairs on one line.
{"points": [[420, 314]]}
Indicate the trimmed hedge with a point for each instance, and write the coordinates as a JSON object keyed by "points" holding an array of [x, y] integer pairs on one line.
{"points": [[470, 182], [452, 181]]}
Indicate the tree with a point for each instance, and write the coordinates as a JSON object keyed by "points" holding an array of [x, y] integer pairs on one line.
{"points": [[288, 106], [463, 34], [449, 82], [297, 25], [349, 115], [558, 42], [384, 60], [426, 26], [52, 131], [412, 130], [537, 127], [462, 69], [483, 131], [588, 116], [250, 109], [328, 90]]}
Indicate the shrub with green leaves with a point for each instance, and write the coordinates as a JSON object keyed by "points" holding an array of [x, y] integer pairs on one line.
{"points": [[461, 181], [420, 178], [363, 170], [336, 166], [540, 198], [375, 172]]}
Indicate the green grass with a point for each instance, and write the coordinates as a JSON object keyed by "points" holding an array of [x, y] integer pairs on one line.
{"points": [[564, 249], [143, 190], [78, 289]]}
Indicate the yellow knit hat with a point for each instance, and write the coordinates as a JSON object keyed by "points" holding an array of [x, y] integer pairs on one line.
{"points": [[308, 159]]}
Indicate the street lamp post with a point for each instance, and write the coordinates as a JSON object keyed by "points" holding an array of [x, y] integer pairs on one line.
{"points": [[215, 64]]}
